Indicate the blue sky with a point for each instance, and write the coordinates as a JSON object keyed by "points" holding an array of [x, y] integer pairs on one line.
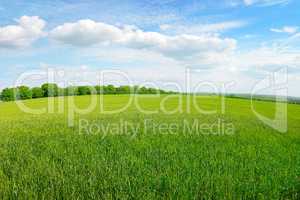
{"points": [[231, 40]]}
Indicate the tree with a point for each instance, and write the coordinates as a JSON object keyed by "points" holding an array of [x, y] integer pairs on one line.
{"points": [[153, 91], [123, 90], [99, 89], [142, 90], [37, 92], [135, 89], [8, 94], [71, 91], [84, 90], [61, 92], [92, 90], [23, 92], [109, 89], [50, 90]]}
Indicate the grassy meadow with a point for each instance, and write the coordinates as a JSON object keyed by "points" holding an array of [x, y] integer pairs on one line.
{"points": [[42, 157]]}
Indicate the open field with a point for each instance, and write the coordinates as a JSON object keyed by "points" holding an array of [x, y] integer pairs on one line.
{"points": [[42, 157]]}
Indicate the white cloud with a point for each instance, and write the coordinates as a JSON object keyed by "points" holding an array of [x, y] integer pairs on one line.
{"points": [[87, 75], [265, 2], [89, 33], [26, 32], [85, 33], [286, 29], [203, 28], [132, 46], [249, 2], [267, 59], [165, 27], [245, 69]]}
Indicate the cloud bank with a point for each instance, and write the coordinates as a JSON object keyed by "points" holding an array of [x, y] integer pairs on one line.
{"points": [[203, 28], [265, 2], [285, 29], [86, 33], [28, 30]]}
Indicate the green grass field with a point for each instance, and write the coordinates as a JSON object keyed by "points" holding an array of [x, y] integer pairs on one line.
{"points": [[41, 157]]}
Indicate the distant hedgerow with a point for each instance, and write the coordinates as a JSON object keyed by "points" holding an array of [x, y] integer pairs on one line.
{"points": [[52, 90]]}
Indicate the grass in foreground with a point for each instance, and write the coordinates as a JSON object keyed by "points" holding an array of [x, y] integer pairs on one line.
{"points": [[41, 157]]}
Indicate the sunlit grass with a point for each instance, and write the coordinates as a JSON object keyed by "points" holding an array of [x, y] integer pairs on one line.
{"points": [[41, 156]]}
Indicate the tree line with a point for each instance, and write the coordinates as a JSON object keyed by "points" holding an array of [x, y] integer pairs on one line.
{"points": [[52, 90]]}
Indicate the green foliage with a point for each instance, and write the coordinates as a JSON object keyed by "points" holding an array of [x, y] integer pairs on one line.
{"points": [[61, 92], [109, 89], [99, 89], [37, 92], [8, 94], [84, 90], [50, 89], [142, 90], [23, 92], [71, 91], [123, 90]]}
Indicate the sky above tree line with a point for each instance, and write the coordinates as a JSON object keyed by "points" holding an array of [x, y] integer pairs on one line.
{"points": [[219, 41]]}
